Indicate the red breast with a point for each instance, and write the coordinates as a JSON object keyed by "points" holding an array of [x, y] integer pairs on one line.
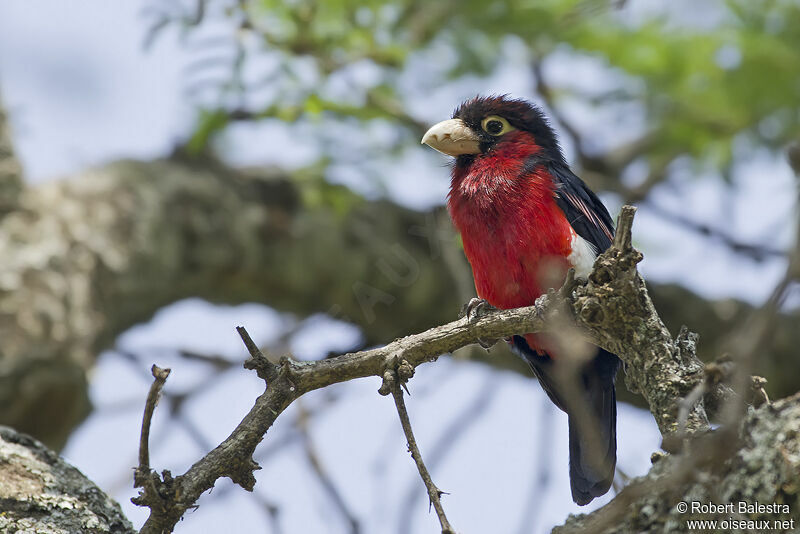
{"points": [[515, 237]]}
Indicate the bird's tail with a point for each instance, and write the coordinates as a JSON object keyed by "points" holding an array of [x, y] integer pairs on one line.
{"points": [[592, 450], [593, 455]]}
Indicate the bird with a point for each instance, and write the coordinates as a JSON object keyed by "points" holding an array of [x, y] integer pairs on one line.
{"points": [[525, 219]]}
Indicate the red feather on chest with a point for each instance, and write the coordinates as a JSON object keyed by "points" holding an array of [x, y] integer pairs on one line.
{"points": [[515, 237]]}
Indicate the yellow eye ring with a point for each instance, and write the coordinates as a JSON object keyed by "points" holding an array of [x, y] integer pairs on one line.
{"points": [[496, 126]]}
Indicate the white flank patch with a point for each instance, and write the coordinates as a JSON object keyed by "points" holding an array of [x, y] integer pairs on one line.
{"points": [[582, 256]]}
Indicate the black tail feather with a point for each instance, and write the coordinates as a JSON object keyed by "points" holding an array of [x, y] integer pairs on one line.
{"points": [[591, 477], [592, 458]]}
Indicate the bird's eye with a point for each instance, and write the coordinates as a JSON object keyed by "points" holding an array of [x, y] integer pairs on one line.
{"points": [[496, 126]]}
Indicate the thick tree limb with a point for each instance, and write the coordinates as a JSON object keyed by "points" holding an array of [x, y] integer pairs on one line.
{"points": [[40, 492], [615, 306], [735, 467], [766, 470]]}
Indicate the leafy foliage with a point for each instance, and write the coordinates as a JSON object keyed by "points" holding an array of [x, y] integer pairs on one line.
{"points": [[709, 81]]}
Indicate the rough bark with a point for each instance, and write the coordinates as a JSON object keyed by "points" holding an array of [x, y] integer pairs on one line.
{"points": [[41, 493], [766, 470], [715, 320]]}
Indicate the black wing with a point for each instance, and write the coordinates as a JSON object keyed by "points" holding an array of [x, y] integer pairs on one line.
{"points": [[584, 211]]}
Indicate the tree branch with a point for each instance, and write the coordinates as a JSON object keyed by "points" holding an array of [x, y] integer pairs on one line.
{"points": [[753, 457], [615, 309], [143, 477], [764, 467], [160, 376], [42, 493], [612, 310], [450, 436], [434, 493]]}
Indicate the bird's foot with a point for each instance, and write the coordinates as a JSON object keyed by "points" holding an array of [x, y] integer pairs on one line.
{"points": [[472, 311], [475, 308]]}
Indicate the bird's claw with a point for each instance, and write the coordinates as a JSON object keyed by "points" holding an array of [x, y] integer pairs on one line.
{"points": [[476, 307], [472, 311]]}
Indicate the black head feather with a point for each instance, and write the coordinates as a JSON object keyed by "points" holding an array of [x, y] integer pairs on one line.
{"points": [[520, 113]]}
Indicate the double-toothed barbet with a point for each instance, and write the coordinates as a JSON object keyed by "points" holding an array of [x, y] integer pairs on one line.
{"points": [[525, 218]]}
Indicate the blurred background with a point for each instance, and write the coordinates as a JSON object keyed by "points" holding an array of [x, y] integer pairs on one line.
{"points": [[306, 118]]}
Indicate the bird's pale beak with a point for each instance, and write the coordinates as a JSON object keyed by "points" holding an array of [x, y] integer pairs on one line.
{"points": [[452, 137]]}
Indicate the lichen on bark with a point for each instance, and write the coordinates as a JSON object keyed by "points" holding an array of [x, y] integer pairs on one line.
{"points": [[41, 493], [765, 469]]}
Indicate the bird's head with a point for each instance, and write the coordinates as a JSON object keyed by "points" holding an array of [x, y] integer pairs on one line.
{"points": [[494, 126]]}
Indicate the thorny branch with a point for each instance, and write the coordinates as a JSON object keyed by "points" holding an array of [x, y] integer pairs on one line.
{"points": [[612, 310], [450, 436], [395, 382], [265, 368]]}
